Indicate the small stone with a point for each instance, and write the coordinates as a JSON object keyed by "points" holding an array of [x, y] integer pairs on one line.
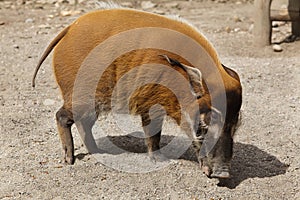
{"points": [[29, 20], [160, 12], [38, 6], [237, 29], [228, 29], [50, 16], [48, 102], [251, 27], [127, 4], [45, 26], [275, 24], [2, 23], [65, 1], [277, 48], [148, 5], [278, 23], [172, 5], [237, 19], [16, 46], [65, 13]]}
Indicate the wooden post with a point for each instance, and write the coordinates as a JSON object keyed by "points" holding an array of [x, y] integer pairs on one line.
{"points": [[262, 24], [295, 5], [296, 28]]}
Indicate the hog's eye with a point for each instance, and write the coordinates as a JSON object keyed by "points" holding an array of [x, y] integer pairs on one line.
{"points": [[202, 129], [215, 116]]}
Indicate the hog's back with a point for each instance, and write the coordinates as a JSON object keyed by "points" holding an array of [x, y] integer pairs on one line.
{"points": [[90, 30]]}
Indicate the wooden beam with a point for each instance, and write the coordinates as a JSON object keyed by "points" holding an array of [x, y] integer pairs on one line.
{"points": [[296, 28], [262, 24], [295, 5], [284, 15], [285, 10]]}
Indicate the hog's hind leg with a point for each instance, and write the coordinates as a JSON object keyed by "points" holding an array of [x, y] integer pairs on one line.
{"points": [[64, 119]]}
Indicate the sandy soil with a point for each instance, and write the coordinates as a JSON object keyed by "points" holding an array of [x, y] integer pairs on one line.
{"points": [[266, 163]]}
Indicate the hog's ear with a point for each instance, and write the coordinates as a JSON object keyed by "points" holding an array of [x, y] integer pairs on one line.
{"points": [[194, 75]]}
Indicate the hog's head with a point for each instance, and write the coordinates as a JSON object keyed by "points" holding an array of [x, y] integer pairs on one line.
{"points": [[214, 144], [212, 131]]}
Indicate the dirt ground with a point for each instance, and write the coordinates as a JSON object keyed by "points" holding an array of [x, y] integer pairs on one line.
{"points": [[266, 162]]}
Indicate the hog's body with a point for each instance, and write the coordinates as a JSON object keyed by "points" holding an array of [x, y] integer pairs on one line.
{"points": [[74, 44]]}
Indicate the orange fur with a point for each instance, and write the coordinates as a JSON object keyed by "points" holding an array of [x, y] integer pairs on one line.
{"points": [[75, 42]]}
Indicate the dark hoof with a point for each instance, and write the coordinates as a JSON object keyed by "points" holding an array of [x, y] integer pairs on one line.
{"points": [[70, 160], [220, 174], [157, 156], [291, 38]]}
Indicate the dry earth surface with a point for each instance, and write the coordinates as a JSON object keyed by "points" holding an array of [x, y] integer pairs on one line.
{"points": [[266, 163]]}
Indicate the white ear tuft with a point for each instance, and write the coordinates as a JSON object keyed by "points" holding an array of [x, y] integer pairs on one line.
{"points": [[194, 75]]}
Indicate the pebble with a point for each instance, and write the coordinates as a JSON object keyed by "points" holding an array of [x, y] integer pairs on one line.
{"points": [[29, 20], [2, 23], [127, 4], [50, 16], [65, 13], [278, 23], [44, 26], [251, 27], [221, 1], [72, 2], [276, 29], [160, 12], [237, 19], [236, 29], [228, 29], [148, 5], [172, 5], [277, 48], [48, 102]]}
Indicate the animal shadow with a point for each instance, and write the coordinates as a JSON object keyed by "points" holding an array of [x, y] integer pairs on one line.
{"points": [[252, 162], [135, 143], [248, 161]]}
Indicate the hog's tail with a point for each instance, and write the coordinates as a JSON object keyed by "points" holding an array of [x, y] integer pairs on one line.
{"points": [[48, 51]]}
